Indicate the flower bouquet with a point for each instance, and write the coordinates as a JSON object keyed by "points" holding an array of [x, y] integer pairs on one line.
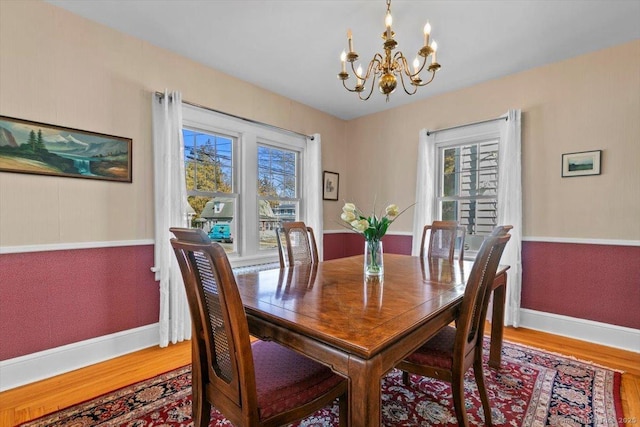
{"points": [[372, 229]]}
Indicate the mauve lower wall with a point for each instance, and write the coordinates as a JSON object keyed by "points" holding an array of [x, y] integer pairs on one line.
{"points": [[593, 282], [54, 298], [339, 245], [585, 281], [50, 299]]}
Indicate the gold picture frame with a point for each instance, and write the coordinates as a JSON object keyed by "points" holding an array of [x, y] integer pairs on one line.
{"points": [[44, 149]]}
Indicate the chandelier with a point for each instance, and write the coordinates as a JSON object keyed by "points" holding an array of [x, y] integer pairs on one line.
{"points": [[389, 67]]}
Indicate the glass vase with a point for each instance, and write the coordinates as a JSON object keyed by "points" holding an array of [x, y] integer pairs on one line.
{"points": [[373, 261]]}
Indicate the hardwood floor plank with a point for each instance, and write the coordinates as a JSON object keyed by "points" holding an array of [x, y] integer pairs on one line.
{"points": [[43, 397], [631, 399], [35, 400]]}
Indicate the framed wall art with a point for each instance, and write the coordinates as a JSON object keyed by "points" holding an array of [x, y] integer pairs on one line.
{"points": [[581, 164], [44, 149], [331, 182]]}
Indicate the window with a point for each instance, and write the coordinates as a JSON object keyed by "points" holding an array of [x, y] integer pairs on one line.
{"points": [[277, 191], [243, 181], [473, 174], [467, 183], [209, 165]]}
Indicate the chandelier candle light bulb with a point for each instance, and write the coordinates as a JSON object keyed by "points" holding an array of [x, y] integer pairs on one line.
{"points": [[434, 47], [388, 20], [388, 67], [427, 32]]}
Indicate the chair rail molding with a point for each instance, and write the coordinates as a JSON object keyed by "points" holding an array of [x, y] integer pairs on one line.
{"points": [[574, 240], [582, 241], [73, 246]]}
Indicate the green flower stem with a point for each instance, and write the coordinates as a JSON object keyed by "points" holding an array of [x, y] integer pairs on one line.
{"points": [[374, 266]]}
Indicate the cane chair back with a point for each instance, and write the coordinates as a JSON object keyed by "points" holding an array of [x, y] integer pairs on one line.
{"points": [[296, 244], [453, 350], [441, 239], [228, 371]]}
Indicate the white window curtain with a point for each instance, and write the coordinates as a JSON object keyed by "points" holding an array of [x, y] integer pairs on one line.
{"points": [[312, 185], [510, 209], [170, 209], [425, 188], [509, 201]]}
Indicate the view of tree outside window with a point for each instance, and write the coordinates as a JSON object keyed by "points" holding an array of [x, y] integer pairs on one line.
{"points": [[243, 181], [278, 200], [209, 177], [468, 188]]}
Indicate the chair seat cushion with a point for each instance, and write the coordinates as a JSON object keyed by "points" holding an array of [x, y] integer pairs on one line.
{"points": [[437, 352], [286, 379]]}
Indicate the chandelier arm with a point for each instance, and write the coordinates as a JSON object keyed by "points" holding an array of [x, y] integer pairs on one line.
{"points": [[424, 63], [433, 75], [400, 59], [407, 68], [373, 83], [415, 86], [377, 60], [345, 86], [355, 73]]}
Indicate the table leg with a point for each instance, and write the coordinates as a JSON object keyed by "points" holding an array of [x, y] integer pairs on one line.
{"points": [[497, 320], [364, 393]]}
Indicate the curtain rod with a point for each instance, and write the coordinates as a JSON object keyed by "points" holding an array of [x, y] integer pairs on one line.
{"points": [[468, 124], [160, 95]]}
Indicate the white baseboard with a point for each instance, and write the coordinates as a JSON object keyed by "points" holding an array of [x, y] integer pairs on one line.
{"points": [[581, 329], [48, 363], [45, 364]]}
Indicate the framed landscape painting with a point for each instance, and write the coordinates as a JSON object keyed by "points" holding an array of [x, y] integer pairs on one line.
{"points": [[581, 164], [43, 149]]}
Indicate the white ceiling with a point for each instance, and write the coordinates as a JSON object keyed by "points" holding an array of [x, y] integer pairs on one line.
{"points": [[292, 47]]}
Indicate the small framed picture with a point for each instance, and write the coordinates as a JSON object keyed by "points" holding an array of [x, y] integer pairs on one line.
{"points": [[331, 182], [581, 164]]}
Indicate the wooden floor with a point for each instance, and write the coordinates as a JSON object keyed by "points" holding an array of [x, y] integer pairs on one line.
{"points": [[34, 400]]}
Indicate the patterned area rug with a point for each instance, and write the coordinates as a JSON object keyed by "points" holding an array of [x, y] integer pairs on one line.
{"points": [[532, 388]]}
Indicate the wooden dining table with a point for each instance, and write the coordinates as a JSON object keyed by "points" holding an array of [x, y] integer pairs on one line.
{"points": [[359, 327]]}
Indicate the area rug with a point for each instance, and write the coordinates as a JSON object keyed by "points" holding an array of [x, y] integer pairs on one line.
{"points": [[532, 388]]}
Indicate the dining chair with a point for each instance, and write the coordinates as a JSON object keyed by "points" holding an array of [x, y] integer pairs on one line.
{"points": [[444, 238], [501, 229], [296, 244], [251, 384], [454, 349]]}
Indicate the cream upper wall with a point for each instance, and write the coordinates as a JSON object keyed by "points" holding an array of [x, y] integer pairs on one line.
{"points": [[591, 102], [58, 68]]}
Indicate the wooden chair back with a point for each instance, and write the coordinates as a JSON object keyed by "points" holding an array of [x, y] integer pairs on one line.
{"points": [[453, 350], [296, 244], [222, 358], [444, 238], [470, 322], [500, 230]]}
